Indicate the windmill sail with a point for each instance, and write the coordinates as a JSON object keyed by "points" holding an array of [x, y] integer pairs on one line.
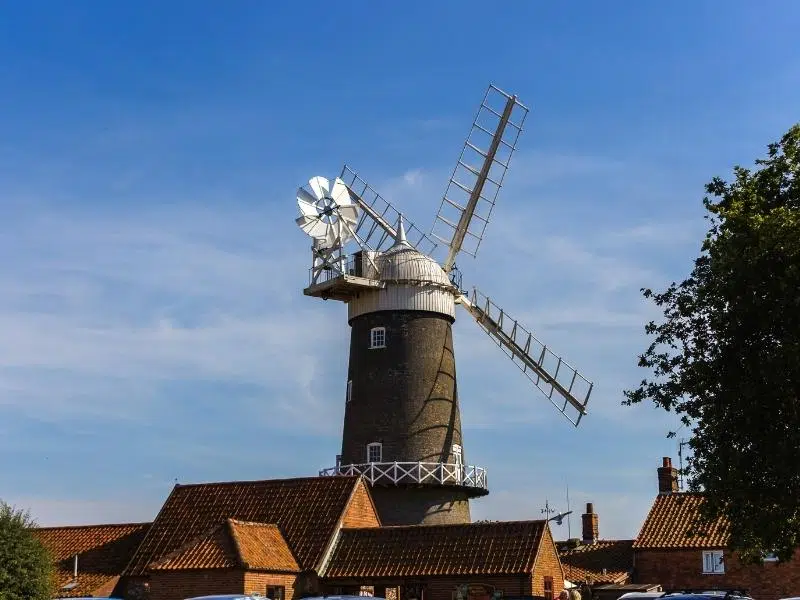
{"points": [[563, 385], [476, 180], [375, 227]]}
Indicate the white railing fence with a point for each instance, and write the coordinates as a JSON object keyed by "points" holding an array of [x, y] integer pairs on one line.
{"points": [[414, 472]]}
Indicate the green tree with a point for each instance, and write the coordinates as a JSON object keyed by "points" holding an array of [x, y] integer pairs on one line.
{"points": [[25, 565], [726, 356]]}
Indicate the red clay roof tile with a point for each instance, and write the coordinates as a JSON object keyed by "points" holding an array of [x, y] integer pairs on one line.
{"points": [[103, 552], [671, 521], [588, 561], [233, 544], [508, 547], [263, 547], [307, 511]]}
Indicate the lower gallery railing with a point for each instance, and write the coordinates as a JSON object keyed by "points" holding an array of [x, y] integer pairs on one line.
{"points": [[414, 472]]}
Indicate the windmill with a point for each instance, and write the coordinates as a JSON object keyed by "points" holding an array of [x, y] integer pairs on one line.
{"points": [[402, 423]]}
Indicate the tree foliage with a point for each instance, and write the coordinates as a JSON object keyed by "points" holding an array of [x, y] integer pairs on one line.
{"points": [[25, 564], [726, 356]]}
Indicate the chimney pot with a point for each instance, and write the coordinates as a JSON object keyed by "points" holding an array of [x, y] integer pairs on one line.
{"points": [[590, 523], [667, 477]]}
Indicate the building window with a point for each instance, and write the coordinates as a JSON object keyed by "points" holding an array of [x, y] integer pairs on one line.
{"points": [[349, 390], [375, 452], [377, 337], [457, 457], [275, 592], [713, 562], [548, 588]]}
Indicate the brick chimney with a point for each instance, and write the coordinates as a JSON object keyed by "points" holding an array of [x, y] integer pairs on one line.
{"points": [[667, 477], [591, 530]]}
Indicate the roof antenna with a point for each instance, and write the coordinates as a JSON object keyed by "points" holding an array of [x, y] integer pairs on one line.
{"points": [[569, 524], [681, 444]]}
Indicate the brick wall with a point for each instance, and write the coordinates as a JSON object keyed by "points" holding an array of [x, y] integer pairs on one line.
{"points": [[684, 569], [177, 585], [437, 588], [442, 588], [360, 512], [258, 583], [547, 565]]}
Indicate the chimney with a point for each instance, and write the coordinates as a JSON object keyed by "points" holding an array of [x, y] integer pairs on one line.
{"points": [[591, 531], [667, 477]]}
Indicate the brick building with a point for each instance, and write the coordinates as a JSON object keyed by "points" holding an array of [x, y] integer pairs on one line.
{"points": [[448, 562], [666, 551], [90, 559], [296, 537], [595, 561]]}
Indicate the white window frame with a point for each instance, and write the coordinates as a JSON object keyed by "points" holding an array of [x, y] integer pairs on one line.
{"points": [[713, 562], [370, 448], [349, 390], [377, 338], [770, 557], [458, 454]]}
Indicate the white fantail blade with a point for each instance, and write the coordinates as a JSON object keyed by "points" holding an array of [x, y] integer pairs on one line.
{"points": [[340, 193], [308, 209], [306, 196], [314, 227], [320, 186], [349, 214]]}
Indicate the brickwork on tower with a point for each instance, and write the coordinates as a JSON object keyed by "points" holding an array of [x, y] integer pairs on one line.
{"points": [[405, 397]]}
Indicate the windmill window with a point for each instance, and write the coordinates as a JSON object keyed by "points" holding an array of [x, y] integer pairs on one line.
{"points": [[457, 455], [713, 562], [349, 390], [375, 452], [377, 337]]}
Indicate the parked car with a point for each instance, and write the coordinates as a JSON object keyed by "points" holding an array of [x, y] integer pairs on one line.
{"points": [[230, 597], [641, 595]]}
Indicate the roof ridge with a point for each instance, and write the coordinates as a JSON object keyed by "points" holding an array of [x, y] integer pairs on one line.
{"points": [[189, 544], [248, 523], [231, 529], [273, 481], [452, 525], [38, 528]]}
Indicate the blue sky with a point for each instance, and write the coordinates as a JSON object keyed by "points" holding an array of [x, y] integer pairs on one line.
{"points": [[151, 308]]}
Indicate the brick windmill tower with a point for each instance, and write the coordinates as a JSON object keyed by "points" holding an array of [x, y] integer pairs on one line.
{"points": [[402, 422]]}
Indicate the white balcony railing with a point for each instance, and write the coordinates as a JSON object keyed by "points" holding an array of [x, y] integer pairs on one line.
{"points": [[395, 473]]}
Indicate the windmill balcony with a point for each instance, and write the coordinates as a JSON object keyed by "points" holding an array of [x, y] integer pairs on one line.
{"points": [[416, 473]]}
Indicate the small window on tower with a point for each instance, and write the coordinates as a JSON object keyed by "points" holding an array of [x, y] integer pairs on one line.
{"points": [[349, 390], [377, 337], [457, 457], [375, 452]]}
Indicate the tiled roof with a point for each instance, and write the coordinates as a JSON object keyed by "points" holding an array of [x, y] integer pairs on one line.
{"points": [[233, 544], [262, 546], [670, 524], [508, 547], [606, 561], [306, 510], [103, 551]]}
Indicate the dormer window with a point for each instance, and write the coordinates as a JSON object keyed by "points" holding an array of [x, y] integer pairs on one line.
{"points": [[377, 338], [375, 452]]}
